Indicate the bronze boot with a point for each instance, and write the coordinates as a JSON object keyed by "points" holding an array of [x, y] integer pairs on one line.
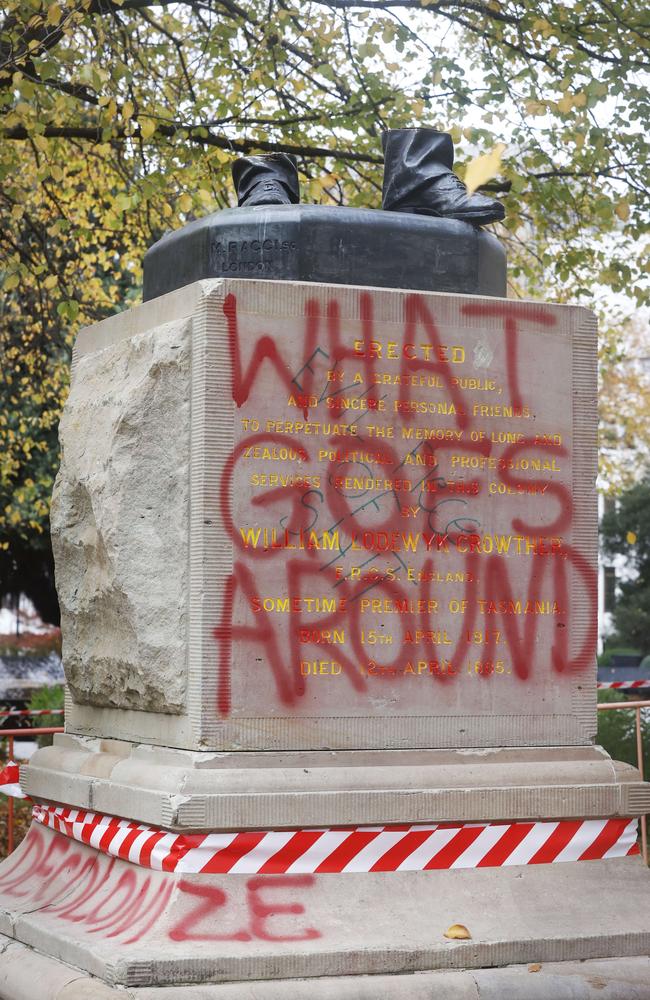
{"points": [[266, 180], [418, 177]]}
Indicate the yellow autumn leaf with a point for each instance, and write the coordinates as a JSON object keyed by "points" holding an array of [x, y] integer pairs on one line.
{"points": [[566, 104], [53, 14], [579, 100], [185, 203], [458, 932], [315, 189], [535, 108], [622, 210], [631, 538], [127, 110], [484, 168], [147, 128]]}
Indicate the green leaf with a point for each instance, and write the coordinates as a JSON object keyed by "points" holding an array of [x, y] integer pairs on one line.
{"points": [[11, 281]]}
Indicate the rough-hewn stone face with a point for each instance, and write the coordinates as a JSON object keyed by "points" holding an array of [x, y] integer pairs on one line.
{"points": [[122, 489]]}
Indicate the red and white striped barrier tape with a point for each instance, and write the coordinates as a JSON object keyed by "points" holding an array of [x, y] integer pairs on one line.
{"points": [[10, 781], [352, 849], [5, 713], [623, 685]]}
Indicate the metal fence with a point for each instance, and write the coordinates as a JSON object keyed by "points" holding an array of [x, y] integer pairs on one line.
{"points": [[11, 734]]}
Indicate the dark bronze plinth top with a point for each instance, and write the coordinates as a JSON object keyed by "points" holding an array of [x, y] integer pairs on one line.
{"points": [[348, 246]]}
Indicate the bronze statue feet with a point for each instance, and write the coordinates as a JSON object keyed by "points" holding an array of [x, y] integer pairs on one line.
{"points": [[266, 180], [418, 177]]}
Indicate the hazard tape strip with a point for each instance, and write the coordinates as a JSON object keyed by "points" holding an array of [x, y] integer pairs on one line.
{"points": [[623, 685], [5, 713], [421, 847], [10, 781]]}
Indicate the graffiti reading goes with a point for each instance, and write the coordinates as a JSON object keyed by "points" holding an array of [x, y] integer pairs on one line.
{"points": [[399, 501]]}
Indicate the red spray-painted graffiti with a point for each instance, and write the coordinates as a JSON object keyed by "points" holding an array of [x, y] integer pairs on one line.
{"points": [[81, 887], [105, 896], [340, 532], [262, 905]]}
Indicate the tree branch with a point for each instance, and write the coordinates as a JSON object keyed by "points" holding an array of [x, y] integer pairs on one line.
{"points": [[244, 146]]}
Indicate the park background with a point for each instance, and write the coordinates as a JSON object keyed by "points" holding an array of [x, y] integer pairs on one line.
{"points": [[119, 121]]}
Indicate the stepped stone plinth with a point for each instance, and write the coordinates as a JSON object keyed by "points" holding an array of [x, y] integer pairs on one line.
{"points": [[326, 556]]}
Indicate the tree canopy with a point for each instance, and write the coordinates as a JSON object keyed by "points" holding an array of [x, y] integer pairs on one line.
{"points": [[625, 530], [624, 400], [119, 120]]}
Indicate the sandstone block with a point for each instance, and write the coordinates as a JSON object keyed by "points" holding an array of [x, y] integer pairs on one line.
{"points": [[120, 513], [296, 516]]}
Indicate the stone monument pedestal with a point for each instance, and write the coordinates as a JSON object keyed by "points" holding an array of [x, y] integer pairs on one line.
{"points": [[326, 561], [189, 791], [165, 934]]}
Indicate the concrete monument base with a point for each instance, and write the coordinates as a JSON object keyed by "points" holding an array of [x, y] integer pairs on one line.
{"points": [[599, 979], [201, 790], [140, 929], [304, 533]]}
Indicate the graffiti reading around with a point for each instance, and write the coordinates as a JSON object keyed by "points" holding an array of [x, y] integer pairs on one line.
{"points": [[401, 507]]}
